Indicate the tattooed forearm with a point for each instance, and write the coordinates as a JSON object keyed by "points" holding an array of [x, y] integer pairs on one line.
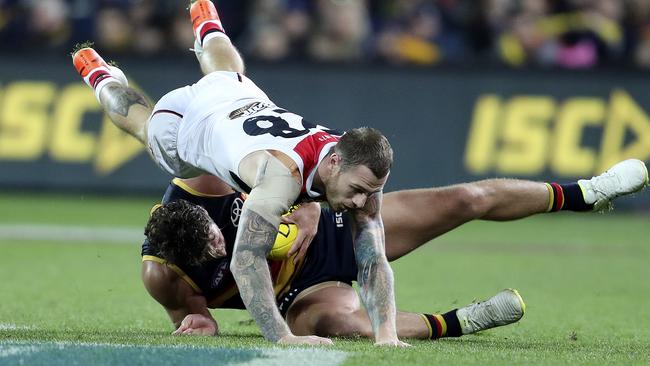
{"points": [[118, 99], [375, 276], [251, 272]]}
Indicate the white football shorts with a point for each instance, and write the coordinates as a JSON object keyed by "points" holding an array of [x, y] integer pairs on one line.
{"points": [[217, 92]]}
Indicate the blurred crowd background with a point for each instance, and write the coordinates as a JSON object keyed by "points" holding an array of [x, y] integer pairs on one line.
{"points": [[574, 34]]}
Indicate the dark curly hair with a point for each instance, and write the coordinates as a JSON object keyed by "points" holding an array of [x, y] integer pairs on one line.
{"points": [[179, 232]]}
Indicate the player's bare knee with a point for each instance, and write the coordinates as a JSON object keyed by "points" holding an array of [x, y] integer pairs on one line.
{"points": [[471, 200], [340, 322]]}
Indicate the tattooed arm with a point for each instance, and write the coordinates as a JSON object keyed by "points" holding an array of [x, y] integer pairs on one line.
{"points": [[375, 275], [251, 271], [274, 189], [128, 109]]}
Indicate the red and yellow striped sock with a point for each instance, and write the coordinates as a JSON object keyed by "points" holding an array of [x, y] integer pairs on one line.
{"points": [[436, 324], [555, 197], [566, 197], [445, 325]]}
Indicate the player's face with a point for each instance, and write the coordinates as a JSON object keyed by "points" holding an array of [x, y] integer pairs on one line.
{"points": [[349, 189], [217, 244]]}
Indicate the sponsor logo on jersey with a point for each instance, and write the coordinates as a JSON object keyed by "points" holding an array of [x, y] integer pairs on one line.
{"points": [[220, 273], [338, 218], [248, 109], [323, 138], [235, 211]]}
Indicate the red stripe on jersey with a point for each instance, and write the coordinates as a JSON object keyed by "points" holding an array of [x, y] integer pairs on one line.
{"points": [[274, 268], [309, 150]]}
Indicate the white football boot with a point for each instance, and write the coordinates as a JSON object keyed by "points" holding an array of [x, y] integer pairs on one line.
{"points": [[504, 308], [625, 177]]}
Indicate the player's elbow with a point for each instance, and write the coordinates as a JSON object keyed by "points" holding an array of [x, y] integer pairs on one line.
{"points": [[373, 263], [241, 263]]}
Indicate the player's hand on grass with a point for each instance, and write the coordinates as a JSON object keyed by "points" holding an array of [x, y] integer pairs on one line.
{"points": [[392, 343], [308, 340], [197, 324], [306, 217]]}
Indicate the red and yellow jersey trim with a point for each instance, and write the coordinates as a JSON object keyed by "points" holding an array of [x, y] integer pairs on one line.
{"points": [[154, 208], [179, 182], [285, 276]]}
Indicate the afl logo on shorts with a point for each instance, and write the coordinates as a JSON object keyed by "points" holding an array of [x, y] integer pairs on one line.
{"points": [[235, 211]]}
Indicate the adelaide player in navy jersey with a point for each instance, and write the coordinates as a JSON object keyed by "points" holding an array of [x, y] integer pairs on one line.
{"points": [[186, 270]]}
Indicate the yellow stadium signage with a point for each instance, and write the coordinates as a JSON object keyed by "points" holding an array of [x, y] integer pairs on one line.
{"points": [[530, 134], [38, 119]]}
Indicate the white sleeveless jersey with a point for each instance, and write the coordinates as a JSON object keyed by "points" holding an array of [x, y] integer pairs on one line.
{"points": [[215, 137]]}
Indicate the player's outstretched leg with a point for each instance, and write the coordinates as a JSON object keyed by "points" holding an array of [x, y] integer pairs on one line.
{"points": [[126, 107], [626, 177], [336, 311], [414, 217], [212, 46]]}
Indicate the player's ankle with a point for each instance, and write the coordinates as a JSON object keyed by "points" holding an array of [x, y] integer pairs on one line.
{"points": [[104, 76], [443, 325], [567, 197], [115, 76], [96, 72], [214, 35], [205, 22]]}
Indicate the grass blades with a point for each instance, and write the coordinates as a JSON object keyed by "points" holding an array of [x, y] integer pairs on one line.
{"points": [[583, 277]]}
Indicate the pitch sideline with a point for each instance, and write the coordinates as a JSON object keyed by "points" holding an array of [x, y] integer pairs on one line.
{"points": [[104, 234], [69, 353]]}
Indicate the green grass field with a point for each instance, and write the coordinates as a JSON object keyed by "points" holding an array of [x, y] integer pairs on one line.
{"points": [[585, 279]]}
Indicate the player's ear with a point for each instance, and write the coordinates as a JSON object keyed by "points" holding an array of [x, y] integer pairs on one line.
{"points": [[334, 159], [333, 162]]}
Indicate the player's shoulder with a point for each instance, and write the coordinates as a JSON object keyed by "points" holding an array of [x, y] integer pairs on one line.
{"points": [[157, 274], [164, 283]]}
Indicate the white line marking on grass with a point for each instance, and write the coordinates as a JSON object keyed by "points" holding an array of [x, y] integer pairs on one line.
{"points": [[125, 235], [9, 326]]}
